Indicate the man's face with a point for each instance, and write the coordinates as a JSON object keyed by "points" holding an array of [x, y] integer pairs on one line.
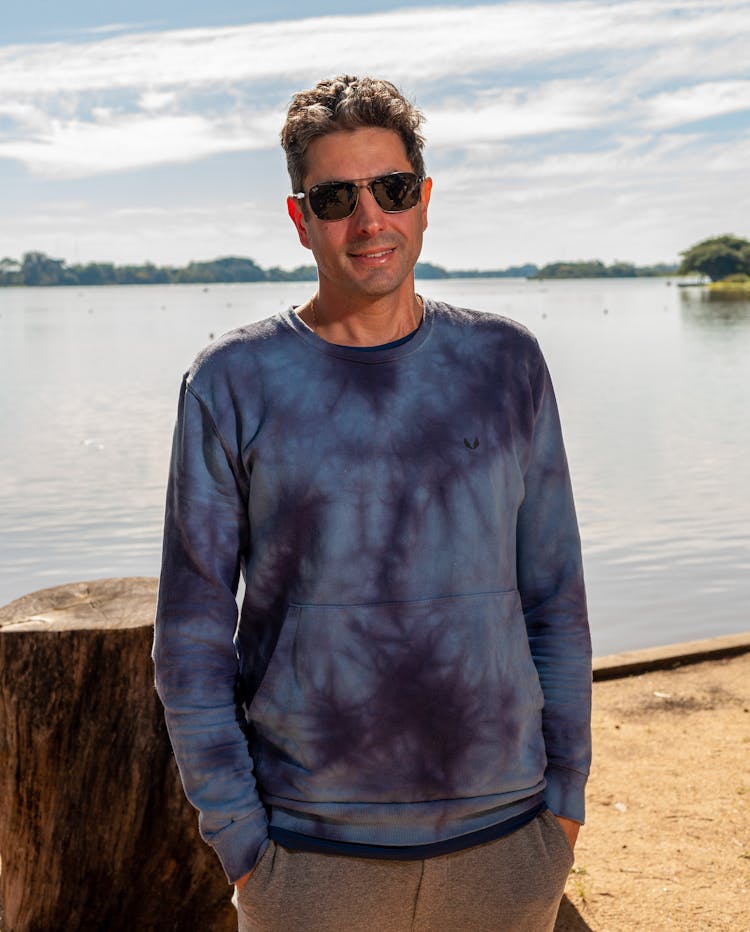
{"points": [[371, 253]]}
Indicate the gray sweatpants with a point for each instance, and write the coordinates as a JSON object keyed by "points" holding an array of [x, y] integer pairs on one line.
{"points": [[512, 884]]}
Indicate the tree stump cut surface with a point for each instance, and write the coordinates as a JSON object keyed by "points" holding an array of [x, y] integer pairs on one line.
{"points": [[95, 831]]}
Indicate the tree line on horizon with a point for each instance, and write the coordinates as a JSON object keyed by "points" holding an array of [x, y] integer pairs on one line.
{"points": [[717, 258], [36, 269]]}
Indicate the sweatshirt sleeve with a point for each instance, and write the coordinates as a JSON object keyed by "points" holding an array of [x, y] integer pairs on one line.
{"points": [[550, 581], [195, 659]]}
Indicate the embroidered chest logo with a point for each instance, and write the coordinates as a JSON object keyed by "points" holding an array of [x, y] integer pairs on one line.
{"points": [[469, 445]]}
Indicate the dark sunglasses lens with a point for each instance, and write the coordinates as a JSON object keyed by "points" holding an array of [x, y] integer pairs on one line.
{"points": [[334, 200], [399, 191]]}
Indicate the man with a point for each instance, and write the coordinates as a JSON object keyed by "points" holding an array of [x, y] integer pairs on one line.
{"points": [[383, 741]]}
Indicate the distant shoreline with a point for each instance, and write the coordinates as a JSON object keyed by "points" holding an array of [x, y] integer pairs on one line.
{"points": [[39, 270]]}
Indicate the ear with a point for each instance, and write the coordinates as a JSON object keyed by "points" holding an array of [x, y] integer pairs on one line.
{"points": [[425, 199], [294, 209]]}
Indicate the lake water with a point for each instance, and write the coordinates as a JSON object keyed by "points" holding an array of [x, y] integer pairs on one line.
{"points": [[652, 384]]}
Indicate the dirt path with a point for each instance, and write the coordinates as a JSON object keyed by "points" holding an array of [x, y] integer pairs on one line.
{"points": [[667, 840]]}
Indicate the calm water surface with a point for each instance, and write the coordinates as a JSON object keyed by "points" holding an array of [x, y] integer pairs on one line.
{"points": [[652, 384]]}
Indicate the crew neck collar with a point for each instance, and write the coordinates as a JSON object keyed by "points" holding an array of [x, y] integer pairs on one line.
{"points": [[374, 354]]}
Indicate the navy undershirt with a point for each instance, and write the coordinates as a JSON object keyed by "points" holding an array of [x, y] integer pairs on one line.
{"points": [[383, 346]]}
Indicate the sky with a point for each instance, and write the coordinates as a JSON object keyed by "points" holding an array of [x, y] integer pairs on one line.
{"points": [[581, 129]]}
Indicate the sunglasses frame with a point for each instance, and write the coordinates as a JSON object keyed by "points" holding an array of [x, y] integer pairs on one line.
{"points": [[360, 183]]}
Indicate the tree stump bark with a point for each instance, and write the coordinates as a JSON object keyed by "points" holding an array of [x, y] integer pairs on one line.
{"points": [[95, 832]]}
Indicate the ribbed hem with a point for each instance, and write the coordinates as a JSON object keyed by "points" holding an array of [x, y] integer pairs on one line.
{"points": [[297, 842], [400, 824]]}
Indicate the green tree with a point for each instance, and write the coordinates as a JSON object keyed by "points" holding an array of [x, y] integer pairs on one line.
{"points": [[717, 258], [302, 273], [429, 270], [228, 269], [39, 269], [10, 272], [592, 268]]}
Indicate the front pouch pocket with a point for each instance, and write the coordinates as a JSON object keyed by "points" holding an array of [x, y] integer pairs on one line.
{"points": [[400, 701]]}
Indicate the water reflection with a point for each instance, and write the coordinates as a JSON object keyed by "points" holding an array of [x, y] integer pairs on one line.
{"points": [[710, 308]]}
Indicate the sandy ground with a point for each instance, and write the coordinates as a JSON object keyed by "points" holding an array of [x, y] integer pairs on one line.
{"points": [[667, 839]]}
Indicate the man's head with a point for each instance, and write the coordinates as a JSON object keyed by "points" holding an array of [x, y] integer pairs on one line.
{"points": [[361, 198], [348, 103]]}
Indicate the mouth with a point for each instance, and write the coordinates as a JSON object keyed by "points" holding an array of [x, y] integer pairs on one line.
{"points": [[373, 255]]}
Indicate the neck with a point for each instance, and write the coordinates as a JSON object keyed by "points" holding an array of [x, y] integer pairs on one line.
{"points": [[363, 323]]}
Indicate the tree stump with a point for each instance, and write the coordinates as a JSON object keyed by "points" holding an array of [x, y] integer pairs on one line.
{"points": [[95, 832]]}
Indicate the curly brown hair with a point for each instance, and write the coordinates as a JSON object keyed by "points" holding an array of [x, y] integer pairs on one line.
{"points": [[348, 103]]}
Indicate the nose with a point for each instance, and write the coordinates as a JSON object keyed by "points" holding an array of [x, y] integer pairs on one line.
{"points": [[368, 216]]}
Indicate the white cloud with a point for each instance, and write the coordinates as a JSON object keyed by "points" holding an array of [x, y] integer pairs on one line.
{"points": [[16, 110], [22, 120], [156, 100], [75, 149], [420, 44], [117, 27], [554, 107], [735, 158], [689, 104], [626, 158], [673, 63]]}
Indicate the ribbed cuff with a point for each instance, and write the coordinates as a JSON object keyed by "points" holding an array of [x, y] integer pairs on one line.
{"points": [[241, 844], [564, 793]]}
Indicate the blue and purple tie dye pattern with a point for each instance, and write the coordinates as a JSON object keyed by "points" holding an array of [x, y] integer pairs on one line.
{"points": [[412, 653]]}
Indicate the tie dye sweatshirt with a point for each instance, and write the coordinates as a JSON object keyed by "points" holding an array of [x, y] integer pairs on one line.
{"points": [[412, 659]]}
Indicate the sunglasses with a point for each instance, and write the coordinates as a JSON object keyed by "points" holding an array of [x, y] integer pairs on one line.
{"points": [[337, 200]]}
